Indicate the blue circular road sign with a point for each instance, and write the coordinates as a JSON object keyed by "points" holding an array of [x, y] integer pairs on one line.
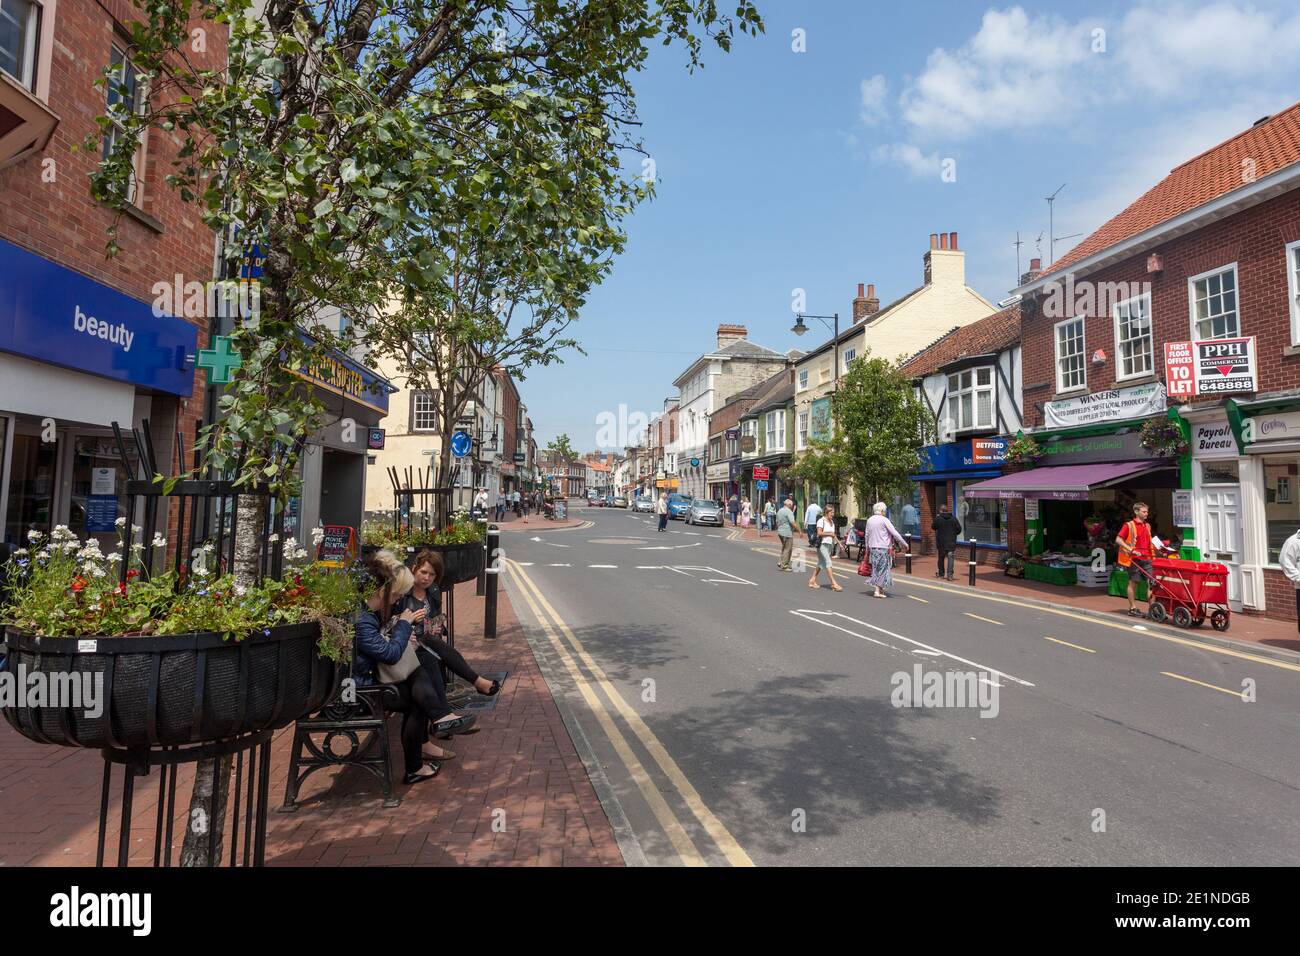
{"points": [[461, 443]]}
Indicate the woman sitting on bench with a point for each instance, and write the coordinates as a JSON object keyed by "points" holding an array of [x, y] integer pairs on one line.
{"points": [[382, 638], [431, 631]]}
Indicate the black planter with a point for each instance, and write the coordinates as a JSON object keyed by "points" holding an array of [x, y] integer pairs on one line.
{"points": [[460, 562], [182, 689]]}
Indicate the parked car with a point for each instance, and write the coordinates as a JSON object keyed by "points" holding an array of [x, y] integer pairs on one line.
{"points": [[643, 503], [704, 512], [619, 501], [679, 506]]}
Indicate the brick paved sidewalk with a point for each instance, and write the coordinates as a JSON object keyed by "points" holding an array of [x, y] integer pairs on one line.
{"points": [[1246, 628], [522, 762]]}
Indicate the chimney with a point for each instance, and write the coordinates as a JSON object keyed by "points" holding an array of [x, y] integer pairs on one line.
{"points": [[1035, 270], [944, 263], [731, 333], [866, 304]]}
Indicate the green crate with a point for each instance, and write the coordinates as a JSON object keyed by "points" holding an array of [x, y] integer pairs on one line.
{"points": [[1119, 585], [1063, 577]]}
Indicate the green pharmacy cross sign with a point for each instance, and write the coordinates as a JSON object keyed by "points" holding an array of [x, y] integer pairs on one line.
{"points": [[219, 361]]}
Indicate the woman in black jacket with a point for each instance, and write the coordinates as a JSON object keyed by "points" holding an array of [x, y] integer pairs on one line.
{"points": [[381, 638]]}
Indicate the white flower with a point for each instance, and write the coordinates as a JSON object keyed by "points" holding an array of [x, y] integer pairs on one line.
{"points": [[272, 539], [159, 541], [114, 557], [97, 572], [240, 590], [199, 571], [209, 547], [136, 529], [317, 535], [20, 553], [63, 533], [120, 523], [34, 536]]}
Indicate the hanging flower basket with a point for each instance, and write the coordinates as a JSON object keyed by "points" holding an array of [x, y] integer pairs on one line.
{"points": [[165, 691], [1163, 438], [1023, 450]]}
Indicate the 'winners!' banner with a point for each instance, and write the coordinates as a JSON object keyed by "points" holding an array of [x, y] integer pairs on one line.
{"points": [[1210, 367]]}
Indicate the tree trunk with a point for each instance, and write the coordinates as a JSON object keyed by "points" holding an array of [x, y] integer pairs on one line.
{"points": [[206, 824]]}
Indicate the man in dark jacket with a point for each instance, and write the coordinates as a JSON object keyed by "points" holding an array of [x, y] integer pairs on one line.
{"points": [[946, 530], [733, 506]]}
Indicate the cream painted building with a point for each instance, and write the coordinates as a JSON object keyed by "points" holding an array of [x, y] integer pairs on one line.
{"points": [[903, 328]]}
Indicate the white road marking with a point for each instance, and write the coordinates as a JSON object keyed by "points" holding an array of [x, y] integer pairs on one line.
{"points": [[919, 650], [803, 612], [649, 567], [602, 565], [559, 565], [524, 564]]}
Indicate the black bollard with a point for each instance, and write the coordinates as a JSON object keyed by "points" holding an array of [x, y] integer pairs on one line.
{"points": [[972, 562], [490, 572], [908, 556], [480, 582]]}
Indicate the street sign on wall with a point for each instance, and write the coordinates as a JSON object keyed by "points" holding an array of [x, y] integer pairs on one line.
{"points": [[760, 473]]}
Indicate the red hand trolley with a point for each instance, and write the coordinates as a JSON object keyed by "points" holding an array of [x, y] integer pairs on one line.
{"points": [[1188, 592]]}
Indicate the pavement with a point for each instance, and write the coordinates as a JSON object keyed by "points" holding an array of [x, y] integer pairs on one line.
{"points": [[517, 793], [738, 718]]}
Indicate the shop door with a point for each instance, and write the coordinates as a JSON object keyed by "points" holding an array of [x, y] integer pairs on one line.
{"points": [[1223, 535], [98, 487], [31, 487]]}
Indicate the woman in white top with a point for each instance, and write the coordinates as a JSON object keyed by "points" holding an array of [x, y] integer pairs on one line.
{"points": [[825, 544]]}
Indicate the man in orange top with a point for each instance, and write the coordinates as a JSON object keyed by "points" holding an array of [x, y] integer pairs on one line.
{"points": [[1134, 542]]}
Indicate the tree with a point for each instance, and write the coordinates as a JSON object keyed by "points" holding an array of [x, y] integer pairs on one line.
{"points": [[353, 141], [880, 426], [824, 464], [560, 449]]}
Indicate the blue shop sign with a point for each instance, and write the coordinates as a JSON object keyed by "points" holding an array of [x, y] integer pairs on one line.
{"points": [[59, 316], [973, 455]]}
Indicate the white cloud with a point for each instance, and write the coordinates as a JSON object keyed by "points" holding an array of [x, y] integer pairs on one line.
{"points": [[874, 108], [918, 164]]}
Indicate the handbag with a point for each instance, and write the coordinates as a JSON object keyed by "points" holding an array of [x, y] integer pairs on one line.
{"points": [[864, 567], [404, 666]]}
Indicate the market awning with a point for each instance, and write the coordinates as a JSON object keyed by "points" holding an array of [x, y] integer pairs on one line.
{"points": [[1063, 482]]}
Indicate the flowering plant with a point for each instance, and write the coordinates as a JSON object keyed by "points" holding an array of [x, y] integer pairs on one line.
{"points": [[1023, 450], [462, 531], [63, 586], [1163, 438]]}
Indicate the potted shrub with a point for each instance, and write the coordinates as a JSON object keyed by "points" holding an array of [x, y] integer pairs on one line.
{"points": [[169, 659]]}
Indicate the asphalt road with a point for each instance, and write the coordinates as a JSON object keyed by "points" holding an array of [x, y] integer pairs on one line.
{"points": [[730, 715]]}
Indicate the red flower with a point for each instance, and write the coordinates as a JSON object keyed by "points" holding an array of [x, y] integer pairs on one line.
{"points": [[133, 573], [78, 584], [121, 589]]}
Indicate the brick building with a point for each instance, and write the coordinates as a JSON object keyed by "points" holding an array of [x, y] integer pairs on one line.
{"points": [[1208, 262], [80, 344]]}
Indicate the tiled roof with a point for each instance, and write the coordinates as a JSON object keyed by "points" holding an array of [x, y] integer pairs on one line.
{"points": [[993, 333], [1271, 145]]}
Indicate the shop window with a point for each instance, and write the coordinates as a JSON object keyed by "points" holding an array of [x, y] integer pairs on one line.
{"points": [[1070, 370], [1213, 296], [1220, 473], [19, 29], [905, 512], [1133, 337], [1281, 503], [126, 94], [970, 399], [983, 519]]}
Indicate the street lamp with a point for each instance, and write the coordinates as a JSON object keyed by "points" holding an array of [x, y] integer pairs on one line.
{"points": [[799, 329]]}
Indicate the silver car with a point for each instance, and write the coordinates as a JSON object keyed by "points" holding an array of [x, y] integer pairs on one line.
{"points": [[643, 504], [704, 512]]}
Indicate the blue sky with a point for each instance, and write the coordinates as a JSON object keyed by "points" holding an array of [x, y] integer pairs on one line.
{"points": [[780, 170]]}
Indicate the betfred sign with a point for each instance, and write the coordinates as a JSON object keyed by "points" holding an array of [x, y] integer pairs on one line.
{"points": [[1180, 369], [1210, 367], [760, 473]]}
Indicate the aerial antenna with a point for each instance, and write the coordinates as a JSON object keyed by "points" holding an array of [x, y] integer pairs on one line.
{"points": [[1051, 219], [1017, 244]]}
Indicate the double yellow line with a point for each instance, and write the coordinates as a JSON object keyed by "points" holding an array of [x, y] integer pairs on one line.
{"points": [[558, 632]]}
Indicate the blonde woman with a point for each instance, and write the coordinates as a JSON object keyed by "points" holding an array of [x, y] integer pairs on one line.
{"points": [[826, 538]]}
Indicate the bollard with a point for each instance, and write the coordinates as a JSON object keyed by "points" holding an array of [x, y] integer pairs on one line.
{"points": [[480, 582], [491, 571], [908, 556], [972, 562]]}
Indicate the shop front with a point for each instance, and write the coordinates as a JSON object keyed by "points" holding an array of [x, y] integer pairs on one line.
{"points": [[76, 357], [947, 471], [721, 479]]}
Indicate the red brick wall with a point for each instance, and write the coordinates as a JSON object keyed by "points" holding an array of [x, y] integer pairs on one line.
{"points": [[1254, 239], [1279, 595]]}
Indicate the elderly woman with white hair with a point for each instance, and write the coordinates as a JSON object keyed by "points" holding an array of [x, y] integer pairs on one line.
{"points": [[881, 535]]}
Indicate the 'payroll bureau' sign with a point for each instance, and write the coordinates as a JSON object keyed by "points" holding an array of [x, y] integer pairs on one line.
{"points": [[52, 314]]}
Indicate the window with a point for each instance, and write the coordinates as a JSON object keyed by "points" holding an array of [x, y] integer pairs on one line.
{"points": [[1281, 506], [733, 442], [124, 94], [424, 411], [1213, 297], [983, 519], [803, 430], [803, 379], [970, 399], [849, 356], [776, 429], [1293, 284], [1133, 337], [715, 449], [1070, 371], [19, 28], [1220, 473]]}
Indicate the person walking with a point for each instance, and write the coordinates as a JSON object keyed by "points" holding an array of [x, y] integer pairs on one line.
{"points": [[810, 516], [661, 506], [733, 506], [881, 535], [1134, 540], [946, 530], [769, 515], [746, 513], [784, 521], [826, 541], [1289, 559]]}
